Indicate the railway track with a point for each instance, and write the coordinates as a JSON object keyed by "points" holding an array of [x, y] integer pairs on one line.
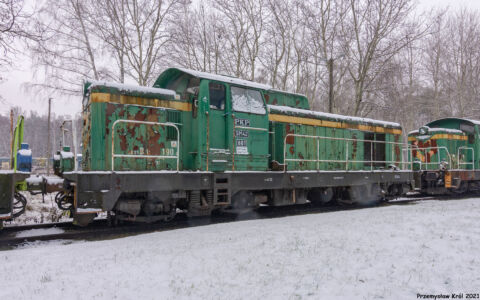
{"points": [[14, 236]]}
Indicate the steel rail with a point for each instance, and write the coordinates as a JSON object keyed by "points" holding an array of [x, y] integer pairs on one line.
{"points": [[100, 230]]}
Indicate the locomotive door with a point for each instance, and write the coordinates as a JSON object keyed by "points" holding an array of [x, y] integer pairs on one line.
{"points": [[218, 153], [250, 137]]}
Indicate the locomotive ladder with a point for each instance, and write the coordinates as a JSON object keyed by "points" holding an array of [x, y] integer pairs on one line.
{"points": [[222, 192]]}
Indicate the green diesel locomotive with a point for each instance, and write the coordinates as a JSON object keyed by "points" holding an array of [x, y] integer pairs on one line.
{"points": [[445, 156], [198, 142]]}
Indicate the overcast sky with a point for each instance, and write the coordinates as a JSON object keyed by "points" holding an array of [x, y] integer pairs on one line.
{"points": [[13, 91]]}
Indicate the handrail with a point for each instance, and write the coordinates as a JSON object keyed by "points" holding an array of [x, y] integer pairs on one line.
{"points": [[346, 161], [466, 163], [416, 148], [168, 124]]}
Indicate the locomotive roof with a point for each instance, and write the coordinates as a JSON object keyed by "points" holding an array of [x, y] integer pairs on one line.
{"points": [[437, 130], [334, 117], [135, 90], [211, 76], [436, 123]]}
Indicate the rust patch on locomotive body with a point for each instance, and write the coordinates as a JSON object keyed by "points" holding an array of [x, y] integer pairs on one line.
{"points": [[300, 156], [140, 116], [123, 142], [422, 154], [289, 129], [354, 146], [267, 98], [397, 147]]}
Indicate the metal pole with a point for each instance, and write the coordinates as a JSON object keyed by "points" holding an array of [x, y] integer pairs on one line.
{"points": [[49, 146], [330, 85], [11, 140], [74, 142]]}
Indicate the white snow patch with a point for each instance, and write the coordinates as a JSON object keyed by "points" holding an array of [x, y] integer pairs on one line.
{"points": [[320, 115], [40, 210], [4, 216], [34, 179], [476, 122], [131, 88], [435, 130], [66, 155], [88, 210], [219, 151], [40, 231], [25, 152], [223, 78], [391, 252], [54, 180], [249, 101]]}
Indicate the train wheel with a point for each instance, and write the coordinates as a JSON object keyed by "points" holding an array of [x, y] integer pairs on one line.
{"points": [[112, 219], [243, 201], [462, 189], [320, 196]]}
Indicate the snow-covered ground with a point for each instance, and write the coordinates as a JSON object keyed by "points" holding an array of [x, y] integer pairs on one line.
{"points": [[391, 252], [40, 211]]}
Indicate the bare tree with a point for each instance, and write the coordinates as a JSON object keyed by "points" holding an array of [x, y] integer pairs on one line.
{"points": [[324, 19], [109, 20], [15, 27], [198, 39], [462, 61], [376, 30], [279, 31], [146, 35], [434, 53], [70, 51]]}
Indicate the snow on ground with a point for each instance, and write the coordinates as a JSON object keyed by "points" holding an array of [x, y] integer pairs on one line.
{"points": [[40, 231], [391, 252], [40, 211]]}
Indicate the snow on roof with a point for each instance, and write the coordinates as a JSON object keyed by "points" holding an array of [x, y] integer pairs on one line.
{"points": [[232, 80], [476, 122], [317, 114], [285, 92], [435, 130], [473, 121], [130, 88]]}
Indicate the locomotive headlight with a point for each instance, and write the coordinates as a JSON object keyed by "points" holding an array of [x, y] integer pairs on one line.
{"points": [[423, 130]]}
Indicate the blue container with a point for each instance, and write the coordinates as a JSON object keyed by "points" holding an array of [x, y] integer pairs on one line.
{"points": [[24, 158]]}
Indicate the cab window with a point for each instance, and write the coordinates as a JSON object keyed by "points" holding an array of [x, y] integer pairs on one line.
{"points": [[217, 95], [247, 100]]}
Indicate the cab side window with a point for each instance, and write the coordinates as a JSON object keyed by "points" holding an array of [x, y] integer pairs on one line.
{"points": [[217, 96], [247, 100]]}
